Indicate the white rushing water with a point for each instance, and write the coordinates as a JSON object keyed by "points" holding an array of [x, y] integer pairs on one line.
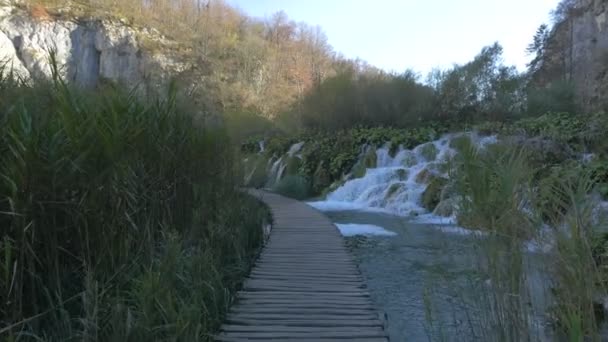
{"points": [[352, 229], [397, 182], [276, 168]]}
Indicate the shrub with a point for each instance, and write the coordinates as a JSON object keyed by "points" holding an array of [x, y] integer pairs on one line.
{"points": [[557, 97], [296, 187]]}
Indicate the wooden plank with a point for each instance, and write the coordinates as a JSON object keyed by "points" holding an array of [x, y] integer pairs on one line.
{"points": [[312, 334], [353, 330], [239, 339], [310, 322], [305, 285]]}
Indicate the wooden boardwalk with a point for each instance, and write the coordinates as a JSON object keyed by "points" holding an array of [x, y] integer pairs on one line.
{"points": [[305, 285]]}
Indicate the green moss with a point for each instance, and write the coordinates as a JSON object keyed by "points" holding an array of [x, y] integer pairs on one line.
{"points": [[403, 174], [423, 176], [321, 179], [370, 160], [393, 189], [393, 150], [432, 195], [292, 166], [409, 160], [429, 151], [359, 170]]}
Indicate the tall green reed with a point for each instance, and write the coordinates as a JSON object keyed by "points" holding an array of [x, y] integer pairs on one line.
{"points": [[119, 216]]}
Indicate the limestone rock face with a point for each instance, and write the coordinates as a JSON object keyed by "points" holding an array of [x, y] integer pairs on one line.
{"points": [[86, 50], [577, 50]]}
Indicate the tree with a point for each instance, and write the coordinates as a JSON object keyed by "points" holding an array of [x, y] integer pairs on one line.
{"points": [[538, 48], [563, 10], [482, 87]]}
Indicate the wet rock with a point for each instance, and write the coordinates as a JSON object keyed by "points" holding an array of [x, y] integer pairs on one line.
{"points": [[429, 151], [402, 174], [370, 160], [393, 189], [432, 194], [409, 160], [446, 208]]}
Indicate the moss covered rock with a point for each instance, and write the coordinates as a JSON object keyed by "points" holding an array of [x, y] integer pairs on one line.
{"points": [[393, 189], [402, 174], [409, 160], [370, 159], [423, 176], [359, 170], [429, 151], [432, 194]]}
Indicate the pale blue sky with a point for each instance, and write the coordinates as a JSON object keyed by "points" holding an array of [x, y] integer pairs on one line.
{"points": [[418, 34]]}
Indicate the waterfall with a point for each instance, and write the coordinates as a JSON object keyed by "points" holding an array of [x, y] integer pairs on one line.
{"points": [[277, 169], [398, 181]]}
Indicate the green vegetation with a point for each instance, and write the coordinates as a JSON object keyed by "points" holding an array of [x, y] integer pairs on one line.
{"points": [[493, 185], [327, 157], [296, 187], [580, 281], [120, 216], [120, 219]]}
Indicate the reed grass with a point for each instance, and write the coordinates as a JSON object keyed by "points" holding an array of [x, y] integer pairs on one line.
{"points": [[497, 191], [120, 216]]}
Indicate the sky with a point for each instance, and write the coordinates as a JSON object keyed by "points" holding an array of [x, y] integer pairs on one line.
{"points": [[396, 35]]}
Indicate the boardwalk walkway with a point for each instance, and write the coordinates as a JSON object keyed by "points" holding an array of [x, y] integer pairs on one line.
{"points": [[304, 287]]}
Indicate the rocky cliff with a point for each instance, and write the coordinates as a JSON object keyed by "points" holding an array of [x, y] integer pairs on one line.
{"points": [[87, 50], [577, 50]]}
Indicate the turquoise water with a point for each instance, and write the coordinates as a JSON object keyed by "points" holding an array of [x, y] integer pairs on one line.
{"points": [[426, 278]]}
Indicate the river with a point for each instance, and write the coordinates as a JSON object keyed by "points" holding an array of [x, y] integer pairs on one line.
{"points": [[426, 277]]}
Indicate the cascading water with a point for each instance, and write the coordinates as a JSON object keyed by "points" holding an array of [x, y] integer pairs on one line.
{"points": [[277, 167], [398, 181]]}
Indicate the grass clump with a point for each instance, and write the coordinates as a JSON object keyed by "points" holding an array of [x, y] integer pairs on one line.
{"points": [[494, 185], [580, 284], [296, 187], [119, 217]]}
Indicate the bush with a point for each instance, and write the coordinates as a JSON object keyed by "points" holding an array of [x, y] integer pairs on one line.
{"points": [[295, 187], [557, 97]]}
